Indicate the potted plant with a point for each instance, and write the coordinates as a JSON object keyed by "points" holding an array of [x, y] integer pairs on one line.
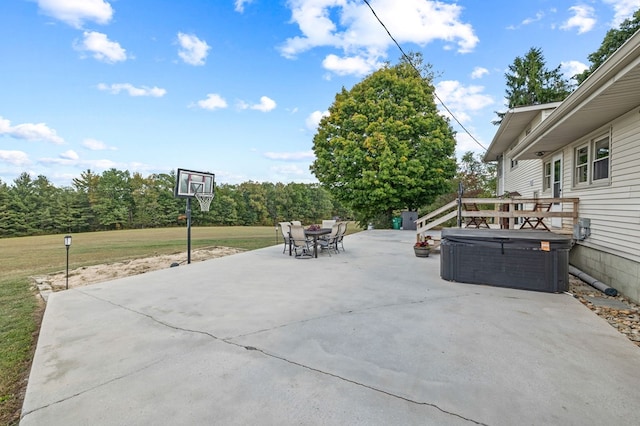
{"points": [[422, 248]]}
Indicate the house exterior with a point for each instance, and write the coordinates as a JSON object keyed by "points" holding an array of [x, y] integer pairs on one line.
{"points": [[587, 146]]}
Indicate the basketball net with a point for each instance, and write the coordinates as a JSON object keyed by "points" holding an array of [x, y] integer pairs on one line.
{"points": [[204, 200]]}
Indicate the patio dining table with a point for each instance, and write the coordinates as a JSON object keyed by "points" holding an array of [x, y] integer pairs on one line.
{"points": [[314, 234]]}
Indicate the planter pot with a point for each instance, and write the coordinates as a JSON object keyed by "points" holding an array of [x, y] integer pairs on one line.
{"points": [[422, 251]]}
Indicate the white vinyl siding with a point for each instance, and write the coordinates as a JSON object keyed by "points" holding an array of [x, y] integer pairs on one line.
{"points": [[614, 208], [524, 179]]}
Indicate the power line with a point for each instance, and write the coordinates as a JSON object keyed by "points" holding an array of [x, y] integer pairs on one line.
{"points": [[408, 59]]}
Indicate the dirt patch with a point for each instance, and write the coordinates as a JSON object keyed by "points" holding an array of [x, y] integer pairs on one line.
{"points": [[110, 271]]}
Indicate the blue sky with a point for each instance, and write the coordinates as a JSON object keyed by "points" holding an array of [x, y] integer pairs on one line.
{"points": [[236, 87]]}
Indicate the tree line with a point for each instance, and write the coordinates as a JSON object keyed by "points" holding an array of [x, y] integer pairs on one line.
{"points": [[117, 199]]}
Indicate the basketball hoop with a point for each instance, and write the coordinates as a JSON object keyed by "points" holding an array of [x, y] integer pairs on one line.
{"points": [[193, 184], [204, 200]]}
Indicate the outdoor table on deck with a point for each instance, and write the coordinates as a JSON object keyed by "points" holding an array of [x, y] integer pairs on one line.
{"points": [[315, 235]]}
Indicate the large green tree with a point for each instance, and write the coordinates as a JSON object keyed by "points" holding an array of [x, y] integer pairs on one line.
{"points": [[614, 38], [530, 82], [384, 146]]}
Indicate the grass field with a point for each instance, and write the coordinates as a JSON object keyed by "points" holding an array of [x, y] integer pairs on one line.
{"points": [[20, 258]]}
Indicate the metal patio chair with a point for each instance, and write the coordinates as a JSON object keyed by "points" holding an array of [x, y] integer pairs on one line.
{"points": [[330, 242], [284, 229], [302, 246]]}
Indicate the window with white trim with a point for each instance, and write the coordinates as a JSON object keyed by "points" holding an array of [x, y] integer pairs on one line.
{"points": [[591, 161], [546, 181], [581, 173], [601, 158]]}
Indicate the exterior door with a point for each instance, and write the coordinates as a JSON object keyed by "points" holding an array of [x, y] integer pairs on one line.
{"points": [[556, 180]]}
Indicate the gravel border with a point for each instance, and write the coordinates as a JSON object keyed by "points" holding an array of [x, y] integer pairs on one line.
{"points": [[620, 312]]}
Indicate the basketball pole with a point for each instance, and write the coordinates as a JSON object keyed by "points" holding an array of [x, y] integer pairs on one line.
{"points": [[188, 230]]}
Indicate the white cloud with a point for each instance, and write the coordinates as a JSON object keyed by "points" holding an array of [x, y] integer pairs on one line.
{"points": [[465, 143], [290, 156], [101, 164], [582, 19], [623, 9], [289, 170], [539, 16], [462, 100], [155, 92], [75, 13], [15, 158], [193, 51], [96, 145], [30, 131], [479, 72], [571, 68], [351, 27], [70, 155], [101, 47], [266, 104], [354, 65], [239, 5], [313, 120], [213, 101]]}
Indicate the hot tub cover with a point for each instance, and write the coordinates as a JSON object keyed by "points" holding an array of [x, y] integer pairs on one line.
{"points": [[524, 259]]}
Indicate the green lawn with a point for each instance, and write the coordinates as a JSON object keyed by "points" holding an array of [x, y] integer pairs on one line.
{"points": [[20, 258]]}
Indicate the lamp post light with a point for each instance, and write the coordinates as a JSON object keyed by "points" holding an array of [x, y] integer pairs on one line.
{"points": [[67, 244]]}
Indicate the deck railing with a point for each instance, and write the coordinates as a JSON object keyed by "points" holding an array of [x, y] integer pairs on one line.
{"points": [[504, 213]]}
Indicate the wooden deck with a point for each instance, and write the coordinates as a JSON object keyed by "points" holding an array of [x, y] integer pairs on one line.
{"points": [[504, 213]]}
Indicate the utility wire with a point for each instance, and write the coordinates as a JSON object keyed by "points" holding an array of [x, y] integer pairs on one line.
{"points": [[408, 59]]}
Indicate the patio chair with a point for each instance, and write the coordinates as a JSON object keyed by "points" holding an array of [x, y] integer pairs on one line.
{"points": [[302, 247], [284, 229], [330, 242], [341, 233], [296, 223], [534, 222], [328, 223], [474, 221]]}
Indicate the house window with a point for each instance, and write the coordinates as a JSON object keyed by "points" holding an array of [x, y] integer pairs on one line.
{"points": [[601, 159], [546, 181], [582, 164], [592, 161]]}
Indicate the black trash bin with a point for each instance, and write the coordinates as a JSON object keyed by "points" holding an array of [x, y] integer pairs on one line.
{"points": [[528, 260]]}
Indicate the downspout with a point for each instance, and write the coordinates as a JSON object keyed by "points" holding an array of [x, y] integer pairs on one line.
{"points": [[609, 291]]}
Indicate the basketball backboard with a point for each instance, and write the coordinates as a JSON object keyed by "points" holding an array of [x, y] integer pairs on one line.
{"points": [[190, 182]]}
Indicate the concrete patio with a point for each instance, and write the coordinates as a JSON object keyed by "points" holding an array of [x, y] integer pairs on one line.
{"points": [[368, 336]]}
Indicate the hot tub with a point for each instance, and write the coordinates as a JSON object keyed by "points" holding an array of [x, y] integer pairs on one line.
{"points": [[522, 259]]}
